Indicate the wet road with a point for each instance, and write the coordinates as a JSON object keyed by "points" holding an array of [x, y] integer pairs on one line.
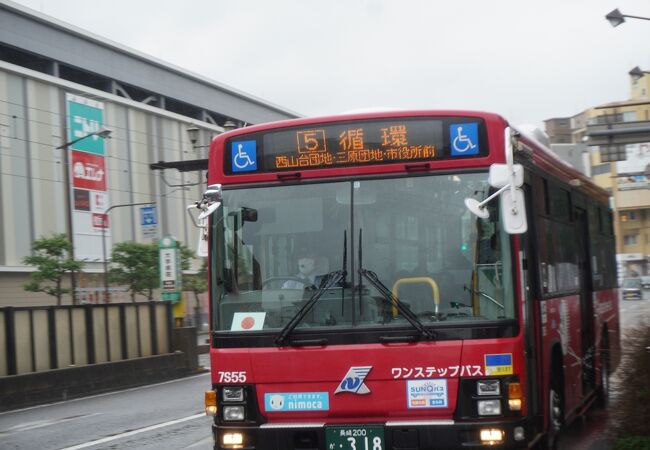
{"points": [[170, 416], [162, 416]]}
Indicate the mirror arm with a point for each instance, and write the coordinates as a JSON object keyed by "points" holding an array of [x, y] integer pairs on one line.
{"points": [[510, 162], [491, 197]]}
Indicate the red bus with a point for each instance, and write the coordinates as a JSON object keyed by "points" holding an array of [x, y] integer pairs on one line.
{"points": [[403, 280]]}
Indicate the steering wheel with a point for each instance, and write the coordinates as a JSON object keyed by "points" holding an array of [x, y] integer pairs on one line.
{"points": [[306, 283]]}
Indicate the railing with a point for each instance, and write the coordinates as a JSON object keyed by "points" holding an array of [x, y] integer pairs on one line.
{"points": [[36, 339]]}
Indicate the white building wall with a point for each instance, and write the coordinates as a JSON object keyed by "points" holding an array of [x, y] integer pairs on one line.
{"points": [[33, 198]]}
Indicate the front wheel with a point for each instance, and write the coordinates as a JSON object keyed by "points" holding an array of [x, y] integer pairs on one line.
{"points": [[555, 419], [603, 389]]}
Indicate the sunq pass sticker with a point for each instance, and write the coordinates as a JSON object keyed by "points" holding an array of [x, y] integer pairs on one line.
{"points": [[426, 393], [498, 364]]}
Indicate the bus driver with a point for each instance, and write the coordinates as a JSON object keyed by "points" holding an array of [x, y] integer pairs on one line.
{"points": [[306, 276]]}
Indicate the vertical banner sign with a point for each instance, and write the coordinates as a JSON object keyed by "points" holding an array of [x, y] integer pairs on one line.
{"points": [[149, 221], [88, 185], [170, 269]]}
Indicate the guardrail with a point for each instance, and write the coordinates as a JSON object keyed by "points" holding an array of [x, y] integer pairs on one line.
{"points": [[36, 339]]}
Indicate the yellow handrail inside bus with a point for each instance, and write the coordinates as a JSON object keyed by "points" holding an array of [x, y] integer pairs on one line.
{"points": [[476, 303], [418, 280]]}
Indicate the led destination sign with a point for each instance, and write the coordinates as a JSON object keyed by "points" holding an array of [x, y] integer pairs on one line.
{"points": [[355, 143]]}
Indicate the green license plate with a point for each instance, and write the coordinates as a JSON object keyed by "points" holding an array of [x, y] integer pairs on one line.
{"points": [[355, 438]]}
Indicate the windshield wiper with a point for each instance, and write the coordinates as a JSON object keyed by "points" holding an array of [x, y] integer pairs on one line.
{"points": [[330, 280], [394, 301], [475, 292]]}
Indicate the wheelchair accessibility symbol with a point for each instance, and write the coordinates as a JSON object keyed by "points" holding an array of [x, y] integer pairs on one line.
{"points": [[464, 139], [244, 156]]}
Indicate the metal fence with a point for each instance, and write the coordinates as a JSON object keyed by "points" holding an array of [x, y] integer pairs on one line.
{"points": [[35, 339]]}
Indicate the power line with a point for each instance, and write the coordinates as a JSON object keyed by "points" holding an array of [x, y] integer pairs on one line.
{"points": [[150, 194], [112, 126], [112, 157]]}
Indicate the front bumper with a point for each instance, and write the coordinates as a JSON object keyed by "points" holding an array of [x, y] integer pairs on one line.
{"points": [[397, 436], [632, 295]]}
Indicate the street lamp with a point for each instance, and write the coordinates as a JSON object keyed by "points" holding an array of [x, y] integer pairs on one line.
{"points": [[229, 125], [615, 18], [193, 134], [104, 133], [106, 293]]}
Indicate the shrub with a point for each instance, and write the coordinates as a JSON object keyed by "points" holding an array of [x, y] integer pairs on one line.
{"points": [[630, 411], [633, 443]]}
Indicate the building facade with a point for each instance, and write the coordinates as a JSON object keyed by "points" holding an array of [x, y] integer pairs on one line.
{"points": [[618, 136], [60, 87]]}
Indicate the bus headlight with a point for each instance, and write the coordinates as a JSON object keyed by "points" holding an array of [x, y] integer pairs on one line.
{"points": [[232, 394], [491, 436], [233, 413], [488, 387], [489, 407], [232, 439]]}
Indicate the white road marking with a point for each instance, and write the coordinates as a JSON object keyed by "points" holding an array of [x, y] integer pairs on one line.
{"points": [[133, 432], [43, 423], [105, 394]]}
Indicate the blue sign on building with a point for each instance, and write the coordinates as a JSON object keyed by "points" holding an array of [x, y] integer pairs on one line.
{"points": [[148, 216], [149, 221]]}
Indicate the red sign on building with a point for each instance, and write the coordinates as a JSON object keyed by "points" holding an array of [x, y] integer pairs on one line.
{"points": [[100, 221], [88, 171]]}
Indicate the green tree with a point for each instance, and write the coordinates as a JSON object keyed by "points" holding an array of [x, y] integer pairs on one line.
{"points": [[52, 257], [197, 284], [135, 265], [186, 255]]}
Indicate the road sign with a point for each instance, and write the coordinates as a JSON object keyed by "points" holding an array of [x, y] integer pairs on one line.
{"points": [[170, 269], [149, 221]]}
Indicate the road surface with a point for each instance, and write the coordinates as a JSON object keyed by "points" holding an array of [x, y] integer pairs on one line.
{"points": [[162, 416], [170, 415]]}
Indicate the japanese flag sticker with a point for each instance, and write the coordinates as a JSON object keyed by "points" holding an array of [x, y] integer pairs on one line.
{"points": [[247, 321]]}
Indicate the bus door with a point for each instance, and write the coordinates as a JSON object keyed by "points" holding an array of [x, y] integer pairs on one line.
{"points": [[586, 301]]}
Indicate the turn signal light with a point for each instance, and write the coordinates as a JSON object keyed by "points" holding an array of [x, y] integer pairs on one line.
{"points": [[210, 403], [515, 397]]}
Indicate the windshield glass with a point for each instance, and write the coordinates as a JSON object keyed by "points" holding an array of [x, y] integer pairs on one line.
{"points": [[412, 237], [632, 283]]}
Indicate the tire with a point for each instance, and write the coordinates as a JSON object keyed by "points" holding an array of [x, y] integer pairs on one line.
{"points": [[603, 389], [556, 412]]}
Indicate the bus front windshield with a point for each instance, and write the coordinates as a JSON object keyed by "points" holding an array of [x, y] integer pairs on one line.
{"points": [[359, 245]]}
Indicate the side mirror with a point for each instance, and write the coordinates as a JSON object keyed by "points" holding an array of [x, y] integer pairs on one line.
{"points": [[500, 175], [513, 212], [508, 178], [206, 206], [249, 214]]}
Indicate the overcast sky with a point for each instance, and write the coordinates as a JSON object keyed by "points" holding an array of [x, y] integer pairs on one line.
{"points": [[527, 60]]}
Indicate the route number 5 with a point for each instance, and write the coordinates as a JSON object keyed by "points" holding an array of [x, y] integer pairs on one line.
{"points": [[312, 141]]}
